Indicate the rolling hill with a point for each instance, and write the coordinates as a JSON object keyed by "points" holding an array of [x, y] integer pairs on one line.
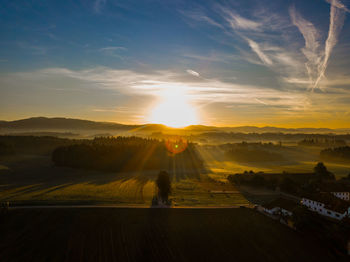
{"points": [[67, 124]]}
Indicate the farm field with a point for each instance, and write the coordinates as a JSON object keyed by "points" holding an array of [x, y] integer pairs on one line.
{"points": [[117, 234], [298, 160], [34, 180]]}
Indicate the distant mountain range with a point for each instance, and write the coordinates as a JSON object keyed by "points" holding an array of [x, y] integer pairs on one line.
{"points": [[60, 123], [68, 124]]}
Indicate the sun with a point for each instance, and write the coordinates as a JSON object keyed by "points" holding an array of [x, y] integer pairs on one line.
{"points": [[173, 110]]}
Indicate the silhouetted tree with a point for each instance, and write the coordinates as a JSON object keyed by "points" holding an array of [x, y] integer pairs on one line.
{"points": [[322, 172], [301, 218], [258, 180], [164, 185], [288, 185], [125, 154]]}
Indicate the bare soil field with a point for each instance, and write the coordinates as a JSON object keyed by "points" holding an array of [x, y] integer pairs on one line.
{"points": [[116, 234]]}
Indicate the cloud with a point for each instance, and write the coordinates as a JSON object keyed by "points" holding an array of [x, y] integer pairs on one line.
{"points": [[215, 57], [318, 59], [105, 92], [98, 5], [256, 48], [191, 72], [34, 49], [270, 38], [119, 109], [238, 22], [199, 16], [338, 4], [260, 35], [130, 83], [112, 48], [337, 17], [297, 81], [113, 51], [312, 43]]}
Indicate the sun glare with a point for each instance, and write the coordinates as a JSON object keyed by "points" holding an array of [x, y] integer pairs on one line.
{"points": [[174, 110]]}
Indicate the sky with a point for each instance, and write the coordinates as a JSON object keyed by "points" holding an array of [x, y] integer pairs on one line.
{"points": [[280, 63]]}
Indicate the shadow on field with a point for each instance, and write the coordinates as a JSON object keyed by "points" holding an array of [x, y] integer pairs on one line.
{"points": [[257, 196], [116, 234], [31, 178]]}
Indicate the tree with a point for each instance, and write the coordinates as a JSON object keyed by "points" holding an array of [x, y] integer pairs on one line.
{"points": [[164, 185], [288, 185], [258, 180], [322, 172], [302, 218]]}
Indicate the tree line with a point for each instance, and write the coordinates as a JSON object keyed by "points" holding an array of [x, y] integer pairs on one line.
{"points": [[125, 154], [293, 183], [338, 154], [253, 152], [41, 145]]}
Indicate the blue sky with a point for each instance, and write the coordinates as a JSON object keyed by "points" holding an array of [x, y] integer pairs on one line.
{"points": [[281, 62]]}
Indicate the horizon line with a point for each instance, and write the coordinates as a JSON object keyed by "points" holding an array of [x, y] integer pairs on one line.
{"points": [[144, 124]]}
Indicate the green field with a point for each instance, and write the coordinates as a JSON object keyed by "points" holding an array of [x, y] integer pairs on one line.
{"points": [[298, 160], [113, 234]]}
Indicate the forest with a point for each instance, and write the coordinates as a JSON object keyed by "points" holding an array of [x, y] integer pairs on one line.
{"points": [[337, 154], [321, 179], [126, 154], [253, 152]]}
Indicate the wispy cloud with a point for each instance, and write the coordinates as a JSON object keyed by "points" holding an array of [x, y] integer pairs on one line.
{"points": [[318, 59], [337, 17], [119, 109], [139, 91], [191, 72], [217, 57], [268, 35], [34, 49], [199, 16], [98, 5], [256, 32], [238, 22], [338, 4], [312, 43], [152, 84], [113, 51], [112, 48], [256, 48]]}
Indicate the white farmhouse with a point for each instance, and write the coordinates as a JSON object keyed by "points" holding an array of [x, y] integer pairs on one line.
{"points": [[327, 205], [342, 195], [280, 205], [339, 189]]}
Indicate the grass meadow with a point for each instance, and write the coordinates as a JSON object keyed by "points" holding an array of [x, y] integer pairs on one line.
{"points": [[33, 179]]}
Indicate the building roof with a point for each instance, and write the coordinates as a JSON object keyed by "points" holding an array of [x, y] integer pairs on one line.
{"points": [[335, 187], [282, 203], [330, 201]]}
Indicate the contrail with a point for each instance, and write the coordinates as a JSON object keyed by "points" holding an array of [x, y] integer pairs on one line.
{"points": [[337, 17], [317, 60], [312, 43]]}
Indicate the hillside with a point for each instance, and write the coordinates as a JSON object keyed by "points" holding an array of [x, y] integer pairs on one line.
{"points": [[60, 123]]}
